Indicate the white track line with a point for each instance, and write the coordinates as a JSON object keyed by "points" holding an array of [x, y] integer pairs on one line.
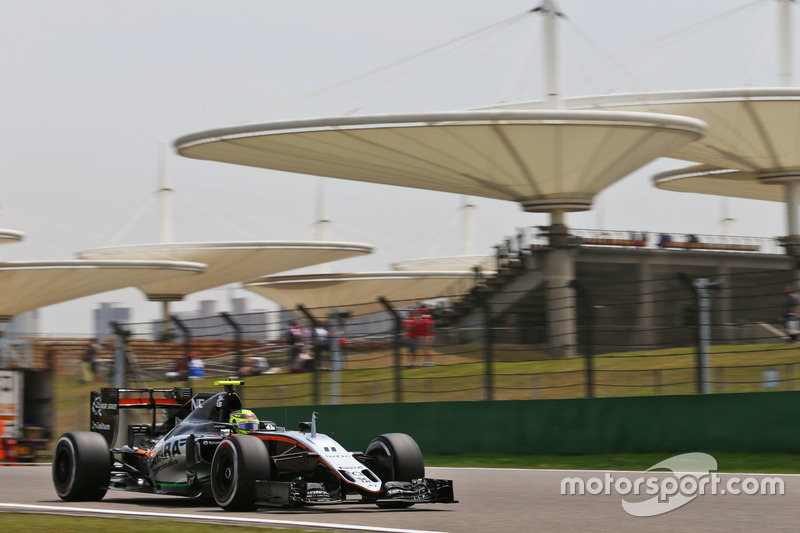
{"points": [[200, 517]]}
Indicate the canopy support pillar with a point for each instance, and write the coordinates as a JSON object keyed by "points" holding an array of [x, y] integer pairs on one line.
{"points": [[559, 293]]}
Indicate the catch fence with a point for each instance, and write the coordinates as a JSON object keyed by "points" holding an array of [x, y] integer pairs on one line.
{"points": [[632, 338]]}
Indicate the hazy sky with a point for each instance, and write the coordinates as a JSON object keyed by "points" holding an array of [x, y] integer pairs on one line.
{"points": [[91, 87]]}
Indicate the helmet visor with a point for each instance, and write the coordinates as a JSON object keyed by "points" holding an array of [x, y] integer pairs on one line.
{"points": [[247, 425]]}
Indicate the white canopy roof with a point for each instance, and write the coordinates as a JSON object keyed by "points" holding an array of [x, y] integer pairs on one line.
{"points": [[358, 292], [228, 262], [749, 129], [544, 159], [487, 263], [28, 285], [705, 179], [9, 236]]}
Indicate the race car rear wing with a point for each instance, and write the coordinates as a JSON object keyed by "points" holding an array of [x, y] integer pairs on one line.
{"points": [[173, 404]]}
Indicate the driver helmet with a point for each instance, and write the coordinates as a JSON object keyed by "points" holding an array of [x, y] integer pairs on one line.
{"points": [[244, 421]]}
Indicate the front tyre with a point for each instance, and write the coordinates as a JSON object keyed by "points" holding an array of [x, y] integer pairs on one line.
{"points": [[81, 466], [238, 462], [398, 458]]}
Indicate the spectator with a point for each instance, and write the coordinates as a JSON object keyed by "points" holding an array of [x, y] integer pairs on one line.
{"points": [[298, 338], [322, 344], [181, 370], [426, 334], [196, 367], [293, 339], [255, 366], [411, 334], [664, 240], [91, 362]]}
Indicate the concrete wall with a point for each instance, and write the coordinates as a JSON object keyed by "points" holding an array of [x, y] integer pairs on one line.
{"points": [[763, 422]]}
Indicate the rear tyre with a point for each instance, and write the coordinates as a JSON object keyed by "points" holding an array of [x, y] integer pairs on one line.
{"points": [[81, 466], [238, 462], [399, 459]]}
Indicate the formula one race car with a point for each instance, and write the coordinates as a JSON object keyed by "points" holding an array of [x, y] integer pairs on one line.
{"points": [[206, 445]]}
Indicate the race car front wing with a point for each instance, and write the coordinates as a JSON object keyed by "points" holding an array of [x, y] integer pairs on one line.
{"points": [[296, 493]]}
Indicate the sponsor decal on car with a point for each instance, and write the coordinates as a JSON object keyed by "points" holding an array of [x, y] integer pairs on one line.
{"points": [[98, 405]]}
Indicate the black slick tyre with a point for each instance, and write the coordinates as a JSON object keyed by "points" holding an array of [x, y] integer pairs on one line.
{"points": [[399, 459], [81, 466], [238, 462]]}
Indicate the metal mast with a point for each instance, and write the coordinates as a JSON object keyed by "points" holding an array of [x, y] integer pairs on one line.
{"points": [[786, 41], [468, 221], [165, 224]]}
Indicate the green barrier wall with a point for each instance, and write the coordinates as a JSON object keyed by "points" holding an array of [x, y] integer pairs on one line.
{"points": [[764, 422]]}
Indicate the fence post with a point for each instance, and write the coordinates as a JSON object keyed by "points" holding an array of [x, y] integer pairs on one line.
{"points": [[187, 340], [335, 351], [314, 362], [657, 381], [586, 305], [702, 288], [488, 339], [187, 334], [398, 329], [237, 338]]}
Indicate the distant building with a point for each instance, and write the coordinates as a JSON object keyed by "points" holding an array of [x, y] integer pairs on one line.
{"points": [[256, 324], [107, 313], [238, 306], [206, 322], [22, 325]]}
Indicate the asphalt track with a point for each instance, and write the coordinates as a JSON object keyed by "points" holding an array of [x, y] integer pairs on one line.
{"points": [[507, 500]]}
